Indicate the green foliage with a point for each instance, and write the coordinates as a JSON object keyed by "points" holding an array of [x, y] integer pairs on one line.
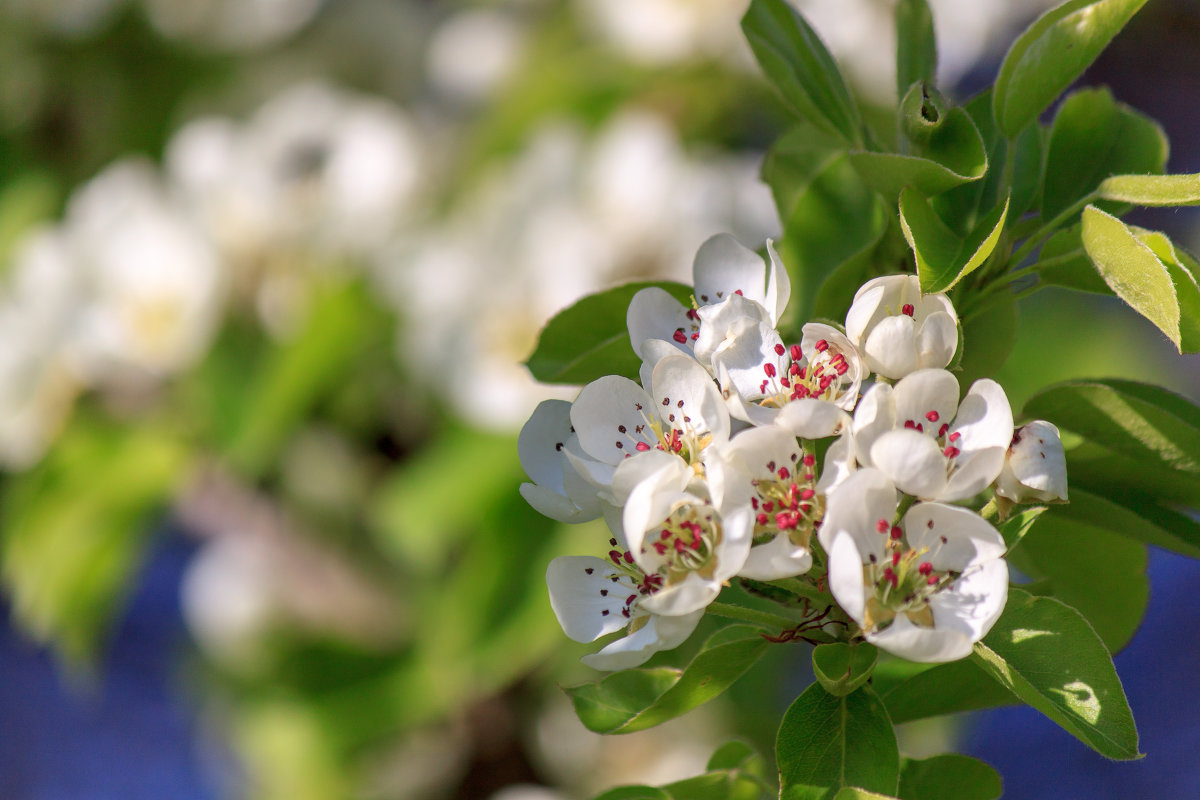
{"points": [[590, 339], [1152, 190], [633, 700], [949, 777], [943, 257], [916, 45], [1014, 528], [919, 691], [841, 668], [797, 63], [1044, 652], [827, 742], [1051, 54], [735, 772]]}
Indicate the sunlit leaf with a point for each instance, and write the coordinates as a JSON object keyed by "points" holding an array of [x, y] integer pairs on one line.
{"points": [[916, 45], [943, 257], [1153, 190], [952, 155], [841, 668], [949, 777], [931, 691]]}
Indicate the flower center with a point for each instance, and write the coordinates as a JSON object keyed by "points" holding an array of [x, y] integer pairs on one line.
{"points": [[788, 503], [674, 435], [902, 582], [628, 577], [821, 375], [933, 425], [686, 542]]}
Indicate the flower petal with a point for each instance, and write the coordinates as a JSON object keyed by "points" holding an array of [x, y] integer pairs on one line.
{"points": [[723, 267], [812, 419], [540, 443], [891, 347], [659, 633], [585, 598], [779, 287], [925, 391], [984, 417], [846, 575], [973, 603], [856, 507], [610, 417], [924, 645], [692, 593], [686, 397], [655, 314], [874, 416], [957, 538], [778, 558], [937, 339], [912, 460]]}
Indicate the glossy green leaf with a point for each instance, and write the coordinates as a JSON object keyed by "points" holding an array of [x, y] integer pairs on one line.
{"points": [[953, 155], [854, 793], [1131, 270], [961, 208], [936, 690], [944, 258], [1153, 190], [836, 219], [797, 63], [916, 45], [949, 777], [988, 337], [633, 700], [841, 668], [794, 161], [1043, 651], [75, 528], [1051, 53], [1017, 526], [722, 785], [1133, 517], [1098, 572], [827, 742], [1184, 271], [589, 339], [1093, 137], [1029, 158]]}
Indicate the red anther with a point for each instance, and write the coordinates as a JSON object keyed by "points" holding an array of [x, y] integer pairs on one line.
{"points": [[679, 545], [942, 430], [642, 447], [908, 423], [890, 577], [660, 548], [630, 599], [695, 336], [796, 352], [783, 473], [691, 314], [954, 437], [625, 611], [738, 292], [665, 534], [805, 507], [762, 387], [762, 519], [951, 451], [826, 380], [679, 336], [931, 580], [896, 558], [628, 557], [785, 520], [799, 392], [695, 545], [794, 370], [807, 494], [822, 346], [809, 459], [932, 416], [785, 383], [925, 568], [768, 506], [803, 373], [780, 349], [769, 368], [754, 502], [896, 532], [920, 428], [615, 555], [843, 368], [808, 476], [908, 310], [882, 526]]}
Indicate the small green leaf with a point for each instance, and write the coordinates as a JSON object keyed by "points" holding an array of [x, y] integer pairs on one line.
{"points": [[1131, 517], [634, 793], [737, 755], [1153, 190], [949, 777], [1132, 271], [988, 337], [953, 155], [841, 668], [794, 161], [590, 339], [827, 742], [1093, 137], [1064, 262], [1183, 270], [944, 258], [854, 793], [916, 45], [1051, 53], [1015, 527], [1043, 651], [797, 63], [633, 700], [937, 690], [961, 208]]}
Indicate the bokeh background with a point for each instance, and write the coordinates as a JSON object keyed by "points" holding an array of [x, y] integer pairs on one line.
{"points": [[268, 269]]}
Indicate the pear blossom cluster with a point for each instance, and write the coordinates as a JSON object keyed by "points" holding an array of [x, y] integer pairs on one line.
{"points": [[851, 459]]}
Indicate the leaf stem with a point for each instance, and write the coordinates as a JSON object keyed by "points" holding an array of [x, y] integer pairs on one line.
{"points": [[1050, 227]]}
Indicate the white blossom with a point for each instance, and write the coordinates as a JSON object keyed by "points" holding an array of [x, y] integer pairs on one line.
{"points": [[899, 330], [557, 491], [1035, 466], [925, 588]]}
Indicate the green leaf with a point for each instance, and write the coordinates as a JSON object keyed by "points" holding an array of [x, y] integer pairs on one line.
{"points": [[1132, 271], [1133, 518], [633, 700], [731, 785], [916, 45], [953, 155], [797, 63], [943, 257], [1142, 422], [1153, 190], [841, 668], [836, 219], [949, 777], [737, 755], [590, 339], [1051, 53], [1183, 270], [1064, 262], [1015, 527], [854, 793], [988, 337], [75, 528], [794, 161], [937, 690], [827, 742], [1098, 572], [961, 208], [634, 793], [1028, 166], [1093, 137], [1046, 653]]}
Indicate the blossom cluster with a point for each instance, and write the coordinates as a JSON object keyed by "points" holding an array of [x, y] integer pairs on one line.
{"points": [[850, 459]]}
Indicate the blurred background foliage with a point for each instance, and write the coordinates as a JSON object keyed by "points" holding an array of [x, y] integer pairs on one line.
{"points": [[268, 269]]}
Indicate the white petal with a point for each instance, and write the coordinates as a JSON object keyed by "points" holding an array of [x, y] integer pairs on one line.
{"points": [[655, 314], [969, 539], [937, 339], [554, 505], [891, 347], [740, 358], [866, 310], [925, 391], [808, 418], [778, 558], [973, 471], [596, 473], [693, 593], [659, 633], [722, 322], [737, 532], [658, 466], [724, 267], [540, 443], [874, 416], [984, 418], [846, 575], [974, 602], [1036, 467], [653, 351], [582, 590], [856, 507], [912, 460], [924, 645], [605, 406], [838, 465], [685, 391], [650, 502], [779, 286]]}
